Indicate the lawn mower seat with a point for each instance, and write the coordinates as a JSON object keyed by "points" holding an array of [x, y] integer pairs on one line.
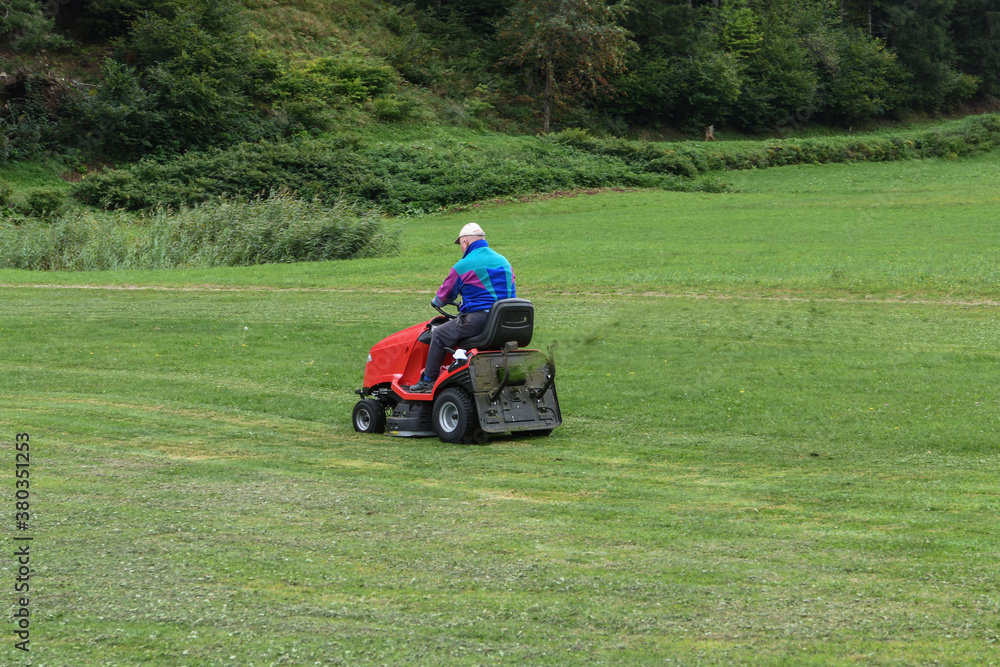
{"points": [[509, 320]]}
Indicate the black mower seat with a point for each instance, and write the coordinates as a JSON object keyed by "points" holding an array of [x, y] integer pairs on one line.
{"points": [[509, 320]]}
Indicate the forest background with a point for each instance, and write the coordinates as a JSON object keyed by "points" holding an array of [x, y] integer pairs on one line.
{"points": [[117, 80]]}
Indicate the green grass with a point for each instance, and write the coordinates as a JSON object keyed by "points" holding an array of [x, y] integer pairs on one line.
{"points": [[885, 229], [315, 28], [762, 462], [39, 173]]}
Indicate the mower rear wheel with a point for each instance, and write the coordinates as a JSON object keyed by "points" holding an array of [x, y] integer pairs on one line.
{"points": [[454, 416], [369, 416]]}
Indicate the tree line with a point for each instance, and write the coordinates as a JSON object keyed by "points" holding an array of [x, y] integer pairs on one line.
{"points": [[761, 65], [183, 74]]}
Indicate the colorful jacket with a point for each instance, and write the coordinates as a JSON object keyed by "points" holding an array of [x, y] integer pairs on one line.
{"points": [[482, 277]]}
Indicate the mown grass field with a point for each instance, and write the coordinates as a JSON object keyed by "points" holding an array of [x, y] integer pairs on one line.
{"points": [[780, 443]]}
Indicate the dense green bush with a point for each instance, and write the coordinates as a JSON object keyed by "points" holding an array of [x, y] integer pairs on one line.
{"points": [[185, 74], [190, 75], [45, 202], [31, 121], [427, 176], [225, 232], [398, 178], [182, 75], [121, 116], [197, 67], [24, 26], [107, 19], [310, 93], [352, 78], [311, 168]]}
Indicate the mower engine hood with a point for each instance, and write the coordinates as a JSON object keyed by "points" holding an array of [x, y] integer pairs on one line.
{"points": [[390, 358]]}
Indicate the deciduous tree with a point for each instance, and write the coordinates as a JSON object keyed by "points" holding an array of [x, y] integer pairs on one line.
{"points": [[574, 46]]}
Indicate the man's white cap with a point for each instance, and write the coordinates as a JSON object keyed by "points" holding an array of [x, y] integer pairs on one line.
{"points": [[471, 229]]}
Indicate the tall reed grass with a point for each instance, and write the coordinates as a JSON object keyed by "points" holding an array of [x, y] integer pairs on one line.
{"points": [[222, 232]]}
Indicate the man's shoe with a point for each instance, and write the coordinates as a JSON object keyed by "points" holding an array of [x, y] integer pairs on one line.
{"points": [[422, 387]]}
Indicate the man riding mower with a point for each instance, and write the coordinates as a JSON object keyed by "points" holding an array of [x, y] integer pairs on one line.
{"points": [[463, 377]]}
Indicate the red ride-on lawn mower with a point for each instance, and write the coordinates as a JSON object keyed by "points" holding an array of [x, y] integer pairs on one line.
{"points": [[487, 385]]}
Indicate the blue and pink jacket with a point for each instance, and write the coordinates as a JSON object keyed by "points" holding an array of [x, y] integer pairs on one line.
{"points": [[482, 277]]}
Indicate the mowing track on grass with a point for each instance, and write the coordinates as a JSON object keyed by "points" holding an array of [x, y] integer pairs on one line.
{"points": [[944, 300]]}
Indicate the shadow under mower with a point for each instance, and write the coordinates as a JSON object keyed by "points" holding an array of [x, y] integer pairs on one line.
{"points": [[488, 385]]}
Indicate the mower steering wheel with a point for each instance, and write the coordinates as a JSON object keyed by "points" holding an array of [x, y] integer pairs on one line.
{"points": [[447, 315]]}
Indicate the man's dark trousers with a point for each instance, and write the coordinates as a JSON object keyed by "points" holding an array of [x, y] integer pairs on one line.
{"points": [[445, 335]]}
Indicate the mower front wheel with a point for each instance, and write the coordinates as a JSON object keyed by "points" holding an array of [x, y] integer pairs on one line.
{"points": [[454, 415], [369, 416]]}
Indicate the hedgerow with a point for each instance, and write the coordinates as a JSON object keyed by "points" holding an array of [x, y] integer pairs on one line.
{"points": [[420, 177], [307, 168], [398, 179], [963, 138]]}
